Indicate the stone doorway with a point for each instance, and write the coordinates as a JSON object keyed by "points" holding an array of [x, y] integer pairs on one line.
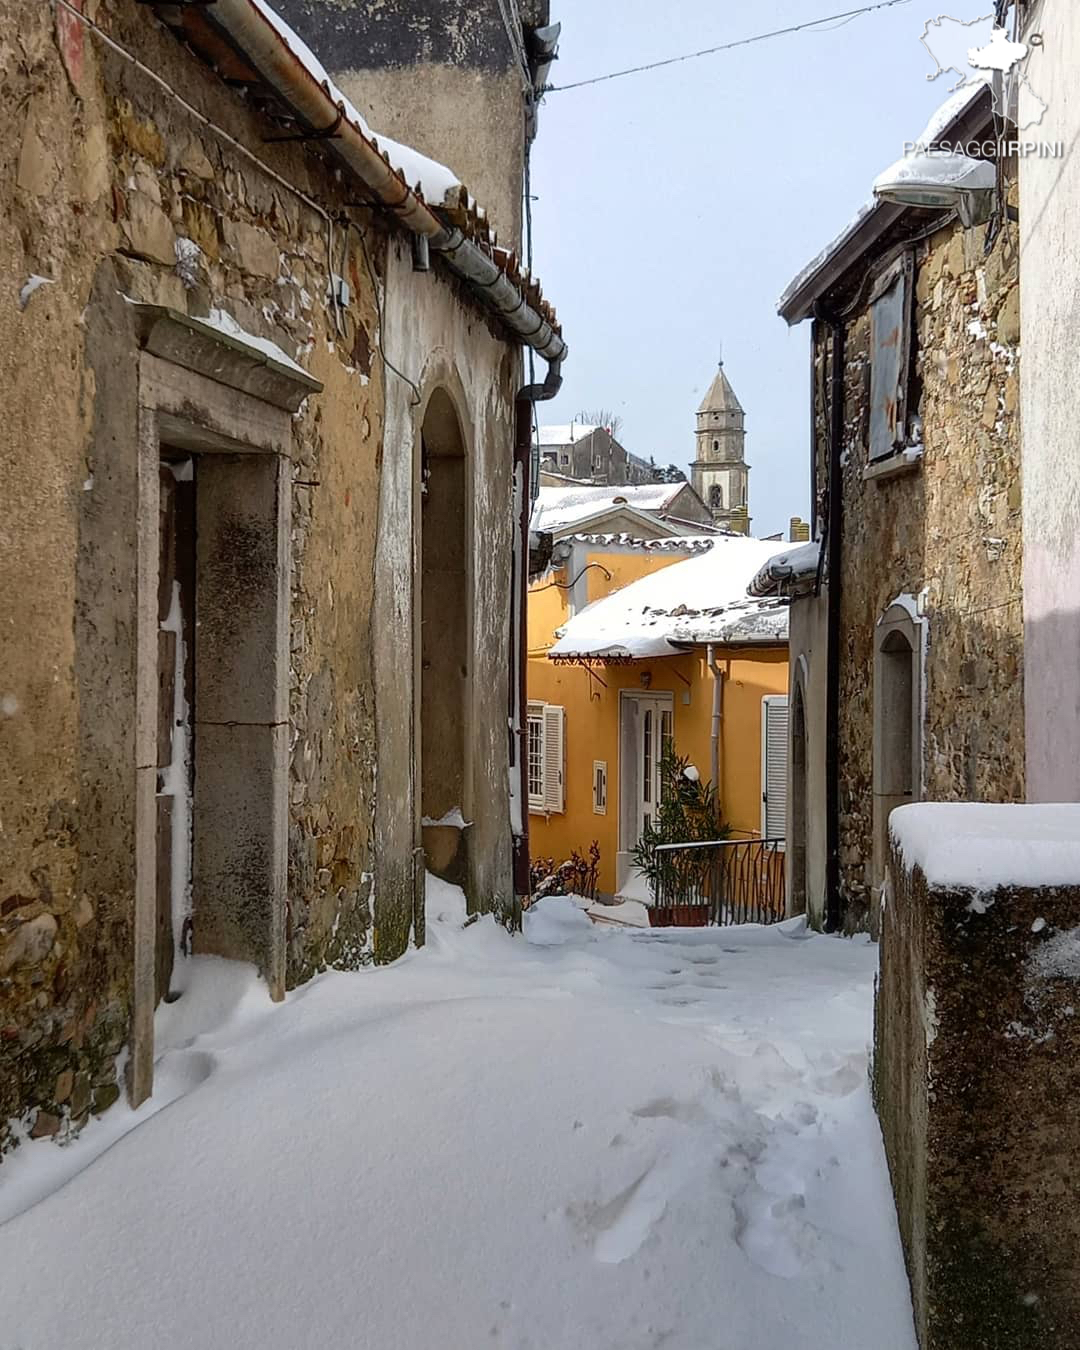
{"points": [[445, 621], [175, 701], [221, 688], [897, 728]]}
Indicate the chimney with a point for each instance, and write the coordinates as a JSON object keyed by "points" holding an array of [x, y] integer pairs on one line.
{"points": [[798, 531]]}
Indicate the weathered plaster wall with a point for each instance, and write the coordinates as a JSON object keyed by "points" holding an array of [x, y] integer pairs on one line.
{"points": [[440, 76], [1050, 400], [110, 189], [440, 346], [947, 534]]}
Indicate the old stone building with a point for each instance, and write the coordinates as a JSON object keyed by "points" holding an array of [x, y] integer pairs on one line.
{"points": [[591, 454], [265, 529], [906, 637], [719, 472]]}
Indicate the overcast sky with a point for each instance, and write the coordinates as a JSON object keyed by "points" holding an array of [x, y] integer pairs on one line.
{"points": [[674, 206]]}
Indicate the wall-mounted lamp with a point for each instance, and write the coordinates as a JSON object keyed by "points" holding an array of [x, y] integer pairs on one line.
{"points": [[940, 179], [646, 678]]}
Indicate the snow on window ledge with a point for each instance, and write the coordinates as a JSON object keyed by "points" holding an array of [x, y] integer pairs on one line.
{"points": [[907, 460]]}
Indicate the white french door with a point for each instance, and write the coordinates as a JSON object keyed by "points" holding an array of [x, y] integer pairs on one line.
{"points": [[646, 728], [654, 736]]}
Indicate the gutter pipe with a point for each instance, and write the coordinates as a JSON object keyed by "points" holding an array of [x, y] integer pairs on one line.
{"points": [[518, 692], [313, 101], [834, 543], [717, 714]]}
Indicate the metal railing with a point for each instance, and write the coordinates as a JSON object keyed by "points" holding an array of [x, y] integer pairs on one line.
{"points": [[721, 881]]}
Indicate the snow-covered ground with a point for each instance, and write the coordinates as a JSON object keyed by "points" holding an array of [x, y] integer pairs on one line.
{"points": [[588, 1138]]}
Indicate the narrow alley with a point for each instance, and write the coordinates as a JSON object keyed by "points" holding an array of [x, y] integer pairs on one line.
{"points": [[610, 1139]]}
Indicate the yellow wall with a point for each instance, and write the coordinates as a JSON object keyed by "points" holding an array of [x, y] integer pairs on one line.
{"points": [[591, 701]]}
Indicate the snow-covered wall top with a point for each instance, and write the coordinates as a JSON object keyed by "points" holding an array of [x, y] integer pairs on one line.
{"points": [[700, 600], [969, 844]]}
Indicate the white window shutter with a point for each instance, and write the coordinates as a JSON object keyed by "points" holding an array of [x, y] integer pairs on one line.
{"points": [[774, 765], [553, 757]]}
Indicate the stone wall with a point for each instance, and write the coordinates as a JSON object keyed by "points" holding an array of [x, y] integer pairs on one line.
{"points": [[112, 191], [946, 533], [976, 1076]]}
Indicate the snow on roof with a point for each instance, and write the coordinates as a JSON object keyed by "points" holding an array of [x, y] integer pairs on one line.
{"points": [[557, 507], [816, 263], [700, 600], [433, 179], [675, 544], [951, 109], [793, 565], [949, 113], [567, 434], [971, 845]]}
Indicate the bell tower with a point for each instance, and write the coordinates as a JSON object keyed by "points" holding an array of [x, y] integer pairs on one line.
{"points": [[719, 472]]}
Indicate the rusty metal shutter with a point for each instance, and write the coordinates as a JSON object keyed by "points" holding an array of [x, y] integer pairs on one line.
{"points": [[890, 343]]}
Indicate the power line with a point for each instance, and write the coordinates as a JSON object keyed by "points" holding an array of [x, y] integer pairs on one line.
{"points": [[727, 46]]}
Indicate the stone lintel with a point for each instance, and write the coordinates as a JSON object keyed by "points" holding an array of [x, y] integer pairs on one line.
{"points": [[206, 349]]}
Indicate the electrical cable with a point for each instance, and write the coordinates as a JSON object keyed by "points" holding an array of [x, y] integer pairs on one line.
{"points": [[517, 44], [223, 135], [389, 365], [566, 585], [809, 24]]}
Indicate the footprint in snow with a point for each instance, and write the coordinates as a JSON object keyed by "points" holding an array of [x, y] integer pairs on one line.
{"points": [[773, 1233], [845, 1079], [670, 1109], [623, 1224]]}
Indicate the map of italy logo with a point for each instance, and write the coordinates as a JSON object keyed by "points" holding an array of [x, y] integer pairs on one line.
{"points": [[970, 52]]}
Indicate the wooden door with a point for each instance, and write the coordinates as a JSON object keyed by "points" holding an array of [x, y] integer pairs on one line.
{"points": [[176, 648]]}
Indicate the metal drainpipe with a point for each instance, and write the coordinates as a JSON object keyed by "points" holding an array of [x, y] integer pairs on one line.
{"points": [[717, 714], [835, 539], [519, 697], [251, 30]]}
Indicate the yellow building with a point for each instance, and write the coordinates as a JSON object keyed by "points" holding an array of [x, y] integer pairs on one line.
{"points": [[634, 643]]}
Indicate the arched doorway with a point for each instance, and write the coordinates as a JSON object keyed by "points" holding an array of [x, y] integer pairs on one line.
{"points": [[897, 726], [796, 844], [445, 629]]}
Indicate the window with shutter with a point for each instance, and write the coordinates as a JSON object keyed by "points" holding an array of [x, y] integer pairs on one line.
{"points": [[774, 765], [545, 757], [535, 724], [890, 345], [553, 757]]}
